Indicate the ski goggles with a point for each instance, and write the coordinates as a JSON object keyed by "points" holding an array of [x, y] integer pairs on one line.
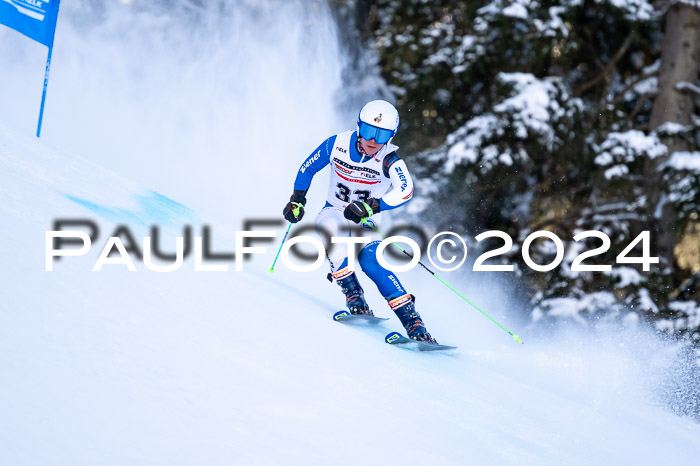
{"points": [[380, 136]]}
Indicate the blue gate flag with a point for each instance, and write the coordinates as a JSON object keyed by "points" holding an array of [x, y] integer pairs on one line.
{"points": [[35, 19]]}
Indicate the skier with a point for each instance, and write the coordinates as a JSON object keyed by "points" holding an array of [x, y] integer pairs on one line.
{"points": [[364, 165]]}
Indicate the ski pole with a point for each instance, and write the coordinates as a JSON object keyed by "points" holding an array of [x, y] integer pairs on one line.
{"points": [[295, 211], [515, 337]]}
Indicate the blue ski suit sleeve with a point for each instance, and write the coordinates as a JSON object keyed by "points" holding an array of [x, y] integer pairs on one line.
{"points": [[401, 181], [313, 164]]}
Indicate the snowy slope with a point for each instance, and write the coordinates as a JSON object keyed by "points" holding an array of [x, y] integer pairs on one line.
{"points": [[118, 367]]}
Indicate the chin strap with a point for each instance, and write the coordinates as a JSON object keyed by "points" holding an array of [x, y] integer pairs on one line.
{"points": [[359, 149], [362, 152]]}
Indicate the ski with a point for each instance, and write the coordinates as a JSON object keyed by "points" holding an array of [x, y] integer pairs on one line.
{"points": [[395, 338], [346, 317]]}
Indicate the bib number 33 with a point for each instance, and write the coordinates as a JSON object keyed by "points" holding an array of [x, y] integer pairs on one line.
{"points": [[343, 193]]}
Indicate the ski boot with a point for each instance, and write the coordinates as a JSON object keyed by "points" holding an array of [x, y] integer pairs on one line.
{"points": [[405, 309], [354, 295]]}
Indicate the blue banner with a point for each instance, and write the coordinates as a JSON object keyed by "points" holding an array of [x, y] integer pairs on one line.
{"points": [[35, 19]]}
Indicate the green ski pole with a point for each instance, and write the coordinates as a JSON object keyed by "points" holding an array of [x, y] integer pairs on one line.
{"points": [[295, 211], [515, 337]]}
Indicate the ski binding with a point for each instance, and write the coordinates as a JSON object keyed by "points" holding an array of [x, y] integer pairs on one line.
{"points": [[347, 317]]}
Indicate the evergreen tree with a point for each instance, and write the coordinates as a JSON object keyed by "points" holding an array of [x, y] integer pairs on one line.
{"points": [[549, 115]]}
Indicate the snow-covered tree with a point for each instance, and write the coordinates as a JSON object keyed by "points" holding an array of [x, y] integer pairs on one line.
{"points": [[545, 115]]}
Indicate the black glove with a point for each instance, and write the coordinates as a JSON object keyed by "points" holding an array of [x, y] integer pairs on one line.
{"points": [[296, 203], [357, 210]]}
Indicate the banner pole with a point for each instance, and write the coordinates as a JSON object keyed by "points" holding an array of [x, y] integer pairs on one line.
{"points": [[43, 95]]}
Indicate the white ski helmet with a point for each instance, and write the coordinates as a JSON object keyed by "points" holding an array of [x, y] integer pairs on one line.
{"points": [[378, 120]]}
